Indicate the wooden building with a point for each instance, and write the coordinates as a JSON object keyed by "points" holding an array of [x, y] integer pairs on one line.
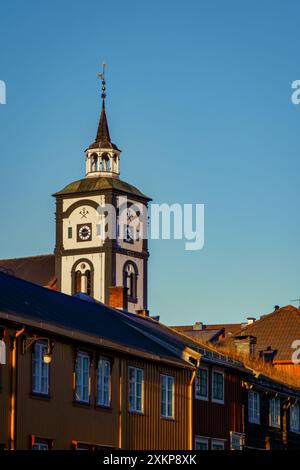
{"points": [[79, 374]]}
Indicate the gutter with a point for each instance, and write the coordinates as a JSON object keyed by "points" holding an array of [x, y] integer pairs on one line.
{"points": [[91, 339]]}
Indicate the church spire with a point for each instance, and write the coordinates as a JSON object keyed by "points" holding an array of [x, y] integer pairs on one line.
{"points": [[102, 157], [103, 131]]}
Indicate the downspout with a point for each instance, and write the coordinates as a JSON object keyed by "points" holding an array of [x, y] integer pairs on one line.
{"points": [[13, 396], [120, 405], [190, 410]]}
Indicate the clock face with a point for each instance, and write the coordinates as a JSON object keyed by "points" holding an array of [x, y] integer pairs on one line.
{"points": [[84, 232]]}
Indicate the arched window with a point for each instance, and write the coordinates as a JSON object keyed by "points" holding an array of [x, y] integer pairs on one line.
{"points": [[88, 282], [106, 162], [77, 284], [130, 274], [94, 162], [83, 274]]}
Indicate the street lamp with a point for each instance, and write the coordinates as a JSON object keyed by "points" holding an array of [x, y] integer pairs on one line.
{"points": [[28, 342]]}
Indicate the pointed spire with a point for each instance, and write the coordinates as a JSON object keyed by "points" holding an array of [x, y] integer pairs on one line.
{"points": [[103, 136], [103, 131]]}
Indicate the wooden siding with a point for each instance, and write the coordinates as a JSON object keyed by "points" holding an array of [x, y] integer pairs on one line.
{"points": [[213, 420], [5, 387], [165, 433], [64, 421]]}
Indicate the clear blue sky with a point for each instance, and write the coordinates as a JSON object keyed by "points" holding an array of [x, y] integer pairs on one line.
{"points": [[198, 100]]}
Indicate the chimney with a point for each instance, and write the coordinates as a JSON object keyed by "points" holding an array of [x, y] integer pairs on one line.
{"points": [[250, 320], [276, 308], [198, 326], [143, 312], [245, 345], [118, 297]]}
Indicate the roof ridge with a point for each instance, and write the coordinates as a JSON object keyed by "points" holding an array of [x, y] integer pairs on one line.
{"points": [[266, 317], [27, 257]]}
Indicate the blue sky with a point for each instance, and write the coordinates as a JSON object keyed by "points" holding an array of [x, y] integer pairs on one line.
{"points": [[198, 100]]}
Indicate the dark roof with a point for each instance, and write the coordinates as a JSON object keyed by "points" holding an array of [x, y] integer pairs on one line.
{"points": [[37, 269], [101, 183], [209, 333], [31, 302], [103, 137], [206, 336], [277, 331]]}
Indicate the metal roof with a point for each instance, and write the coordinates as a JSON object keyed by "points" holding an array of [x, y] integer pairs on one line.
{"points": [[32, 302]]}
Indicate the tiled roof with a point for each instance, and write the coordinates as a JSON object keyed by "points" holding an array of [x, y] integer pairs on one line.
{"points": [[37, 269], [22, 299], [277, 330]]}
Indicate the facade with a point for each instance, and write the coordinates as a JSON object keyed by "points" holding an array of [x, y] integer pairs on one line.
{"points": [[272, 415], [217, 405]]}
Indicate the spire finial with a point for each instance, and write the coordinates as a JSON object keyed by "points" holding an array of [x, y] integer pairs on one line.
{"points": [[101, 76]]}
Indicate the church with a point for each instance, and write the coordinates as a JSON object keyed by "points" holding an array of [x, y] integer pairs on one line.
{"points": [[84, 261]]}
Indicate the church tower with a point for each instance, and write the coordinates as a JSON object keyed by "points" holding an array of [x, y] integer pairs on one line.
{"points": [[101, 227]]}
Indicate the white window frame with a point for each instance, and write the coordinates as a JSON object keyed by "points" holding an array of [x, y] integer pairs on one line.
{"points": [[217, 400], [219, 442], [81, 356], [296, 409], [253, 412], [40, 445], [40, 370], [133, 407], [103, 382], [166, 378], [201, 440], [198, 396], [273, 407]]}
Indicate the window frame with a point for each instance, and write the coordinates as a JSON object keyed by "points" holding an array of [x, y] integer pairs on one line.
{"points": [[201, 440], [42, 346], [272, 424], [82, 355], [292, 429], [202, 397], [40, 441], [251, 418], [135, 409], [167, 415], [221, 442], [98, 402], [213, 399]]}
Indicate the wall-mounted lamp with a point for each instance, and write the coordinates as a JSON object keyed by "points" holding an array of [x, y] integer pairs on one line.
{"points": [[28, 342]]}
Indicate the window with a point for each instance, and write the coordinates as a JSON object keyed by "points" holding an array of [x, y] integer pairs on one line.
{"points": [[295, 418], [103, 382], [82, 377], [136, 385], [167, 396], [201, 443], [217, 386], [275, 414], [253, 407], [40, 444], [70, 232], [77, 282], [217, 444], [40, 370], [130, 280], [88, 282], [201, 384]]}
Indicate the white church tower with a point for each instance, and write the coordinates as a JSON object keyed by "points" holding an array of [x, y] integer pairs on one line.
{"points": [[85, 260]]}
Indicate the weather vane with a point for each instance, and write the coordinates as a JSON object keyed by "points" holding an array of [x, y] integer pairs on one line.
{"points": [[101, 75]]}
